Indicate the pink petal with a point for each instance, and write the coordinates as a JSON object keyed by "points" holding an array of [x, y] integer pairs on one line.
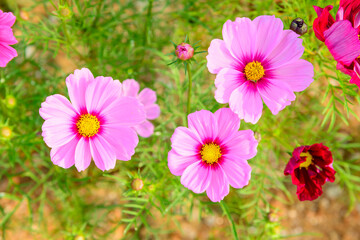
{"points": [[57, 106], [7, 36], [122, 139], [130, 88], [184, 142], [147, 96], [58, 132], [298, 75], [356, 75], [204, 124], [124, 111], [219, 184], [145, 129], [288, 50], [178, 163], [238, 172], [219, 56], [239, 38], [64, 156], [246, 102], [152, 111], [343, 42], [82, 154], [241, 146], [269, 33], [77, 84], [228, 123], [340, 14], [276, 95], [100, 93], [357, 20], [102, 153], [7, 19], [227, 80], [6, 54], [196, 177]]}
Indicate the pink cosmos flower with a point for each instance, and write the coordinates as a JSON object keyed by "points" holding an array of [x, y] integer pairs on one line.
{"points": [[147, 98], [212, 153], [96, 124], [7, 38], [258, 61]]}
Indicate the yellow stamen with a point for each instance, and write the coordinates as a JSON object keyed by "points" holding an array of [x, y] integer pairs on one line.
{"points": [[88, 125], [308, 161], [254, 71], [210, 153]]}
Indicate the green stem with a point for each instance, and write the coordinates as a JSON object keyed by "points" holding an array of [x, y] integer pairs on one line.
{"points": [[147, 23], [227, 213], [188, 70]]}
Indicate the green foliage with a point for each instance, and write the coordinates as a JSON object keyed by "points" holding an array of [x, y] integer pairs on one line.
{"points": [[132, 40]]}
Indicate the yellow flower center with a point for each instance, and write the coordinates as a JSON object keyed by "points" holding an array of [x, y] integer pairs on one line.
{"points": [[254, 71], [88, 125], [308, 161], [210, 153]]}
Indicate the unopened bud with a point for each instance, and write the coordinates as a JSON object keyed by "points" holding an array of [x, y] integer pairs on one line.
{"points": [[273, 217], [257, 136], [184, 51], [10, 101], [79, 237], [6, 132], [137, 184], [65, 12], [299, 26]]}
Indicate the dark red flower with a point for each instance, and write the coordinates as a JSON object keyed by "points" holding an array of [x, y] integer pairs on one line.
{"points": [[310, 167]]}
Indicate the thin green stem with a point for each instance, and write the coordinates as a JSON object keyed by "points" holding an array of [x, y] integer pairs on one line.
{"points": [[148, 22], [227, 213], [188, 70]]}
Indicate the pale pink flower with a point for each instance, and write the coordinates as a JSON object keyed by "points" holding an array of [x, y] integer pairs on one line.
{"points": [[258, 61], [98, 123], [212, 153], [7, 19], [147, 98]]}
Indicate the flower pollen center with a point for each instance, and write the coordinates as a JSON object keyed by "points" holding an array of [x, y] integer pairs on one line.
{"points": [[88, 125], [210, 153], [254, 71], [308, 161]]}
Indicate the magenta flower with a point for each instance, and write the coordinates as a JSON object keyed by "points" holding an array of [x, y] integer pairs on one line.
{"points": [[184, 51], [96, 124], [6, 38], [147, 98], [341, 36], [212, 153], [258, 61]]}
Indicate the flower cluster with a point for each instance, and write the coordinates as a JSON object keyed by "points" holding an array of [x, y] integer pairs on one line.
{"points": [[341, 36], [98, 123], [253, 65]]}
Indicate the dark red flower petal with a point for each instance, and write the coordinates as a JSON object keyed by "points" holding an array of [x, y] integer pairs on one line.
{"points": [[323, 22]]}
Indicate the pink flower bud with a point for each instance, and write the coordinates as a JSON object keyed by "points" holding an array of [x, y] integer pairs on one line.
{"points": [[184, 51], [137, 184]]}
